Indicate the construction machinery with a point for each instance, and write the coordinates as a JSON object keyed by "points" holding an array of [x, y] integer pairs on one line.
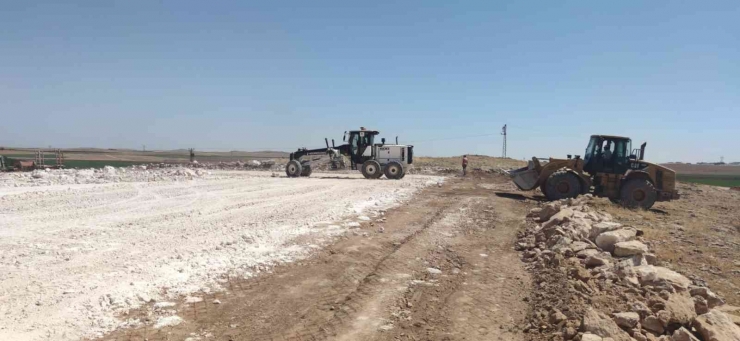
{"points": [[610, 168], [373, 160]]}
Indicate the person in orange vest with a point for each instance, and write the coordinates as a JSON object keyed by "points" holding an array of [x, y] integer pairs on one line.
{"points": [[465, 164]]}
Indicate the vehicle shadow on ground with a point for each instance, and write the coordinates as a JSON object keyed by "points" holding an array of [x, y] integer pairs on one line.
{"points": [[519, 197]]}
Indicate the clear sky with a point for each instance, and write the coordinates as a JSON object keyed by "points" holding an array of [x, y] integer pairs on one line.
{"points": [[247, 75]]}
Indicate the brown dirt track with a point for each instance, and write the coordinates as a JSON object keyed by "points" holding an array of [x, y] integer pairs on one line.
{"points": [[378, 287]]}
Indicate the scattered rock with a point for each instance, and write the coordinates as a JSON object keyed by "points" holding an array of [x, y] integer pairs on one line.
{"points": [[630, 248], [168, 321], [591, 337], [683, 335], [712, 299], [602, 227], [700, 305], [627, 320], [653, 325], [598, 324], [587, 253], [717, 326], [597, 260], [681, 309], [580, 274], [434, 271], [656, 275], [607, 240], [549, 210]]}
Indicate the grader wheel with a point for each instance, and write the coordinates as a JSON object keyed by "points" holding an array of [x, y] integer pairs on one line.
{"points": [[293, 169], [394, 171], [371, 169], [307, 170]]}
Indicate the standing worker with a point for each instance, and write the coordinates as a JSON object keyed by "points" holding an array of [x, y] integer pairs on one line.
{"points": [[465, 164]]}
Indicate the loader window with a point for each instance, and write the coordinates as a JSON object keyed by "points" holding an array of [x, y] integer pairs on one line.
{"points": [[353, 143], [590, 149]]}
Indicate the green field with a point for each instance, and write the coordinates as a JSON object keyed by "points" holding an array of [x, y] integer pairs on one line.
{"points": [[721, 180]]}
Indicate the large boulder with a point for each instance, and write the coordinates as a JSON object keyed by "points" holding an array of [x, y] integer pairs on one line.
{"points": [[717, 326], [607, 240], [656, 275], [598, 324], [630, 248]]}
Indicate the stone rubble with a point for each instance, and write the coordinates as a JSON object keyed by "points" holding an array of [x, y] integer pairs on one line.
{"points": [[601, 281], [107, 174]]}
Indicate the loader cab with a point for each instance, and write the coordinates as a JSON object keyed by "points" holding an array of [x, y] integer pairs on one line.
{"points": [[607, 154], [360, 144]]}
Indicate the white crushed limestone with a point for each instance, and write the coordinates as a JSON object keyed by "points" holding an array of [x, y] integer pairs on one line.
{"points": [[78, 247]]}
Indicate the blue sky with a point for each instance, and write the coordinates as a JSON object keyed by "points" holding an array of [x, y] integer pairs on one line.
{"points": [[243, 75]]}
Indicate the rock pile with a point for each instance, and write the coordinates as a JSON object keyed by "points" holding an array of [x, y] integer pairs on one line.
{"points": [[597, 280], [234, 165]]}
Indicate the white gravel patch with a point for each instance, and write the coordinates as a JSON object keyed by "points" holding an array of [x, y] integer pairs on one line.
{"points": [[168, 321], [75, 250]]}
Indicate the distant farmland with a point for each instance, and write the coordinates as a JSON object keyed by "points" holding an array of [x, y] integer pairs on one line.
{"points": [[714, 180], [724, 176]]}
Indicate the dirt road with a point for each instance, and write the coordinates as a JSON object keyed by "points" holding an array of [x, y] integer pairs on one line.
{"points": [[73, 255], [440, 267]]}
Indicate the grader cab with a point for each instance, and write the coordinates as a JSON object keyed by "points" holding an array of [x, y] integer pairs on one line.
{"points": [[610, 168]]}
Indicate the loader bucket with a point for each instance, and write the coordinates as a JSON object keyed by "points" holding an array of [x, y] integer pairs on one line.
{"points": [[525, 178]]}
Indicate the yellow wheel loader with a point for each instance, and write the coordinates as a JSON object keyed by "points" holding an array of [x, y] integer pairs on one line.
{"points": [[610, 168]]}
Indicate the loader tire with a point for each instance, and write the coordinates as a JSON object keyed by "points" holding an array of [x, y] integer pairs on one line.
{"points": [[562, 185], [638, 193], [371, 169], [307, 170], [293, 169], [394, 171]]}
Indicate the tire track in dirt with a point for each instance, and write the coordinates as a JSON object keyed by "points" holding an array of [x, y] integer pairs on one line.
{"points": [[377, 287], [315, 298]]}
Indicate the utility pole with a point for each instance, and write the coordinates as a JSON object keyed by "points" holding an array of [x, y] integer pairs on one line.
{"points": [[503, 132]]}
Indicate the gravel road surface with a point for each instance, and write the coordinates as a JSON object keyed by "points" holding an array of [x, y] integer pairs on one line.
{"points": [[74, 258]]}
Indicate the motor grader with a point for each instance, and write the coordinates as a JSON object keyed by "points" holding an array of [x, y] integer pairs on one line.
{"points": [[373, 159], [610, 168]]}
